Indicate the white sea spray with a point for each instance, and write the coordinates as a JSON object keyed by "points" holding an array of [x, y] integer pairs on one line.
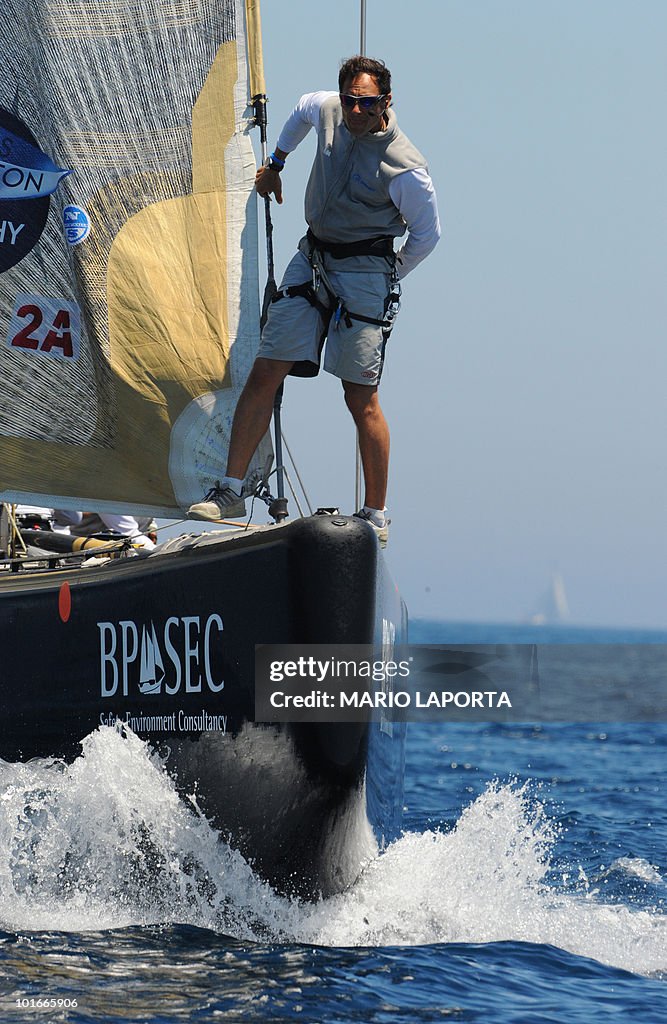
{"points": [[106, 842]]}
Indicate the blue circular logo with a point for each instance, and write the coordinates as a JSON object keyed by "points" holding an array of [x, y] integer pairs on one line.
{"points": [[77, 224]]}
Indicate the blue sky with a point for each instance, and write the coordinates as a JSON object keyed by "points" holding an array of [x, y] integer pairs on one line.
{"points": [[525, 380]]}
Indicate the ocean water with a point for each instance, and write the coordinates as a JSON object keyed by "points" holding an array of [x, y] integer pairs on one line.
{"points": [[529, 885]]}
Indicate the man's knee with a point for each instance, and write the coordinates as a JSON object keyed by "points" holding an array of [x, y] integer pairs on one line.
{"points": [[268, 374], [361, 399]]}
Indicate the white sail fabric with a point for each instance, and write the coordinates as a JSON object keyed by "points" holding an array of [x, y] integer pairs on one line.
{"points": [[553, 606], [129, 297]]}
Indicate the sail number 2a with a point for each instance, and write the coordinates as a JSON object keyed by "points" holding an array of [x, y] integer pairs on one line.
{"points": [[45, 327]]}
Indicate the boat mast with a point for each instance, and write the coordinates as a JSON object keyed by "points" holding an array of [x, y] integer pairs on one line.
{"points": [[357, 464], [278, 508], [278, 505]]}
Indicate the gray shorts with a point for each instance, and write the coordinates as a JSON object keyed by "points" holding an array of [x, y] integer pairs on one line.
{"points": [[296, 330]]}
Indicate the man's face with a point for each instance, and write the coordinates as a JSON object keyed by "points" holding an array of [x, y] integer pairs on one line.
{"points": [[359, 120]]}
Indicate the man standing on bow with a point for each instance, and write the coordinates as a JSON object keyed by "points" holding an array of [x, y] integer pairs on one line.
{"points": [[367, 186]]}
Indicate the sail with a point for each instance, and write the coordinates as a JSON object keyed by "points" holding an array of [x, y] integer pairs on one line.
{"points": [[129, 294], [553, 606]]}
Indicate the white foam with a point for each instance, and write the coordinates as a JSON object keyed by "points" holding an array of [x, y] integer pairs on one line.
{"points": [[639, 868], [484, 882], [106, 842]]}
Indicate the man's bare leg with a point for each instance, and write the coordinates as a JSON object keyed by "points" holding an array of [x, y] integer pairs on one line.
{"points": [[251, 421], [363, 402], [253, 412]]}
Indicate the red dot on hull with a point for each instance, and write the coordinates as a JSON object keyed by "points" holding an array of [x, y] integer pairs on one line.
{"points": [[65, 602]]}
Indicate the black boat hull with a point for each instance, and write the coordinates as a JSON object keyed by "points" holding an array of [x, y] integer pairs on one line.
{"points": [[166, 644]]}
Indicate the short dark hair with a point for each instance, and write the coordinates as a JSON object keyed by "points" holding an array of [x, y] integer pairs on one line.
{"points": [[360, 65]]}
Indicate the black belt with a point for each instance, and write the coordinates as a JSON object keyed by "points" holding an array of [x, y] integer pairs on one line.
{"points": [[383, 245]]}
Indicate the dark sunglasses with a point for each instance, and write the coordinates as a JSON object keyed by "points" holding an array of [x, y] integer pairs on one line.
{"points": [[365, 102]]}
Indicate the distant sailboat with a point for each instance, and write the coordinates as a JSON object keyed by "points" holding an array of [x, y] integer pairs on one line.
{"points": [[553, 606]]}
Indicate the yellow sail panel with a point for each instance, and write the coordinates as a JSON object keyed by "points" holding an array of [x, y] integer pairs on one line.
{"points": [[131, 321], [255, 55]]}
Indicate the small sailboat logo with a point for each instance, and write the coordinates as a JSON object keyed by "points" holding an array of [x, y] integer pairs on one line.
{"points": [[151, 669]]}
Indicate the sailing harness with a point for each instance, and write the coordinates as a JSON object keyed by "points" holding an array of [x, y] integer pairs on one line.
{"points": [[336, 309]]}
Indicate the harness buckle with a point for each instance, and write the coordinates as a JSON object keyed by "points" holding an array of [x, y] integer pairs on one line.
{"points": [[393, 300]]}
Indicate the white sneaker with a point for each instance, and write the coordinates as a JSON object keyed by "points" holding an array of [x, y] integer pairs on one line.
{"points": [[219, 503], [381, 532]]}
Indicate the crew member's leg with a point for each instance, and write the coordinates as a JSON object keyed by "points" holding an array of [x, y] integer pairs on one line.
{"points": [[251, 421], [253, 412], [363, 402], [355, 353], [291, 334]]}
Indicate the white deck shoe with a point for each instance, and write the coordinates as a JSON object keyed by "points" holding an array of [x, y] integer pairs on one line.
{"points": [[381, 532], [219, 503]]}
